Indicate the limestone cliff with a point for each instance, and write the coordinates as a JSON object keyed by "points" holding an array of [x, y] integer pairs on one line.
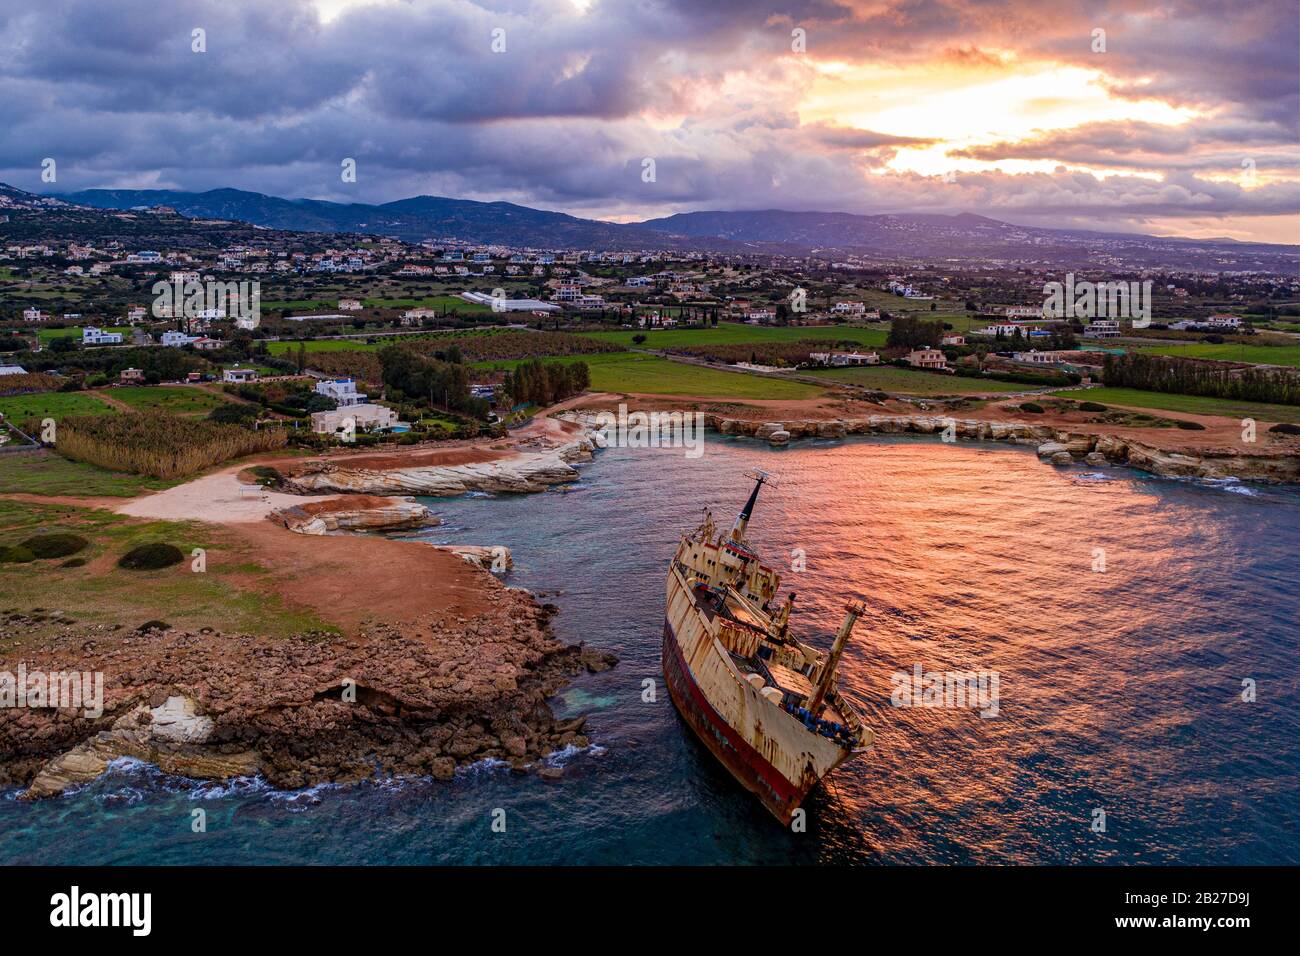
{"points": [[522, 473]]}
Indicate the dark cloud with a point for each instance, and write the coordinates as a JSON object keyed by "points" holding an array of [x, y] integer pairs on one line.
{"points": [[564, 117]]}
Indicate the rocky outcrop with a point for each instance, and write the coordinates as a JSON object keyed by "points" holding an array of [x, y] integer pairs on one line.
{"points": [[173, 736], [420, 699], [393, 516], [496, 559], [1053, 444], [520, 474]]}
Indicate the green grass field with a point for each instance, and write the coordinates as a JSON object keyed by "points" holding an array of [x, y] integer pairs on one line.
{"points": [[101, 592], [652, 375], [1231, 352], [729, 333], [361, 345], [180, 399], [54, 405], [329, 345], [1192, 404], [49, 473], [903, 381]]}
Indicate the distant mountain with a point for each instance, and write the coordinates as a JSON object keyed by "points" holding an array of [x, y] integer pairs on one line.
{"points": [[927, 239], [415, 219], [963, 237], [11, 198], [28, 217]]}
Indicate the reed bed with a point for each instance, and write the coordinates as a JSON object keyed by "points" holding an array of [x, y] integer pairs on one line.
{"points": [[159, 444]]}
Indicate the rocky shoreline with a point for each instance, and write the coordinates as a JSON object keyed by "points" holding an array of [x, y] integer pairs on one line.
{"points": [[523, 473], [416, 700], [1055, 444]]}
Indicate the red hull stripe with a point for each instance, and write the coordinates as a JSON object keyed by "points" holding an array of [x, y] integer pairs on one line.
{"points": [[736, 754]]}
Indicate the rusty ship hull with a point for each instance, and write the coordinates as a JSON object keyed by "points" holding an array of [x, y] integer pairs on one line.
{"points": [[742, 684]]}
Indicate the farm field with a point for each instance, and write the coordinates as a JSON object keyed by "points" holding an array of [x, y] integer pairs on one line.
{"points": [[1232, 352], [728, 333], [180, 399], [652, 375], [448, 302], [908, 382], [1191, 404], [53, 405], [361, 345]]}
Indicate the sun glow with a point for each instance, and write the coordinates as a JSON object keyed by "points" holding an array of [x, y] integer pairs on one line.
{"points": [[962, 107]]}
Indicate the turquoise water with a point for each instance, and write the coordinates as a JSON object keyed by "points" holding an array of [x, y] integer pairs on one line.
{"points": [[1120, 690]]}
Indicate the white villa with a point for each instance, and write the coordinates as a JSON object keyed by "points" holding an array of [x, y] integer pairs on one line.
{"points": [[342, 390], [361, 417], [1102, 329], [845, 358], [239, 375], [93, 336]]}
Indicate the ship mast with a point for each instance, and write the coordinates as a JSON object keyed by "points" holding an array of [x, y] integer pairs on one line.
{"points": [[853, 611], [742, 520]]}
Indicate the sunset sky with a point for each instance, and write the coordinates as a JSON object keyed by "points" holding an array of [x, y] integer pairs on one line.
{"points": [[1187, 124]]}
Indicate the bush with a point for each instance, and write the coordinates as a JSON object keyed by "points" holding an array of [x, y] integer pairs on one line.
{"points": [[55, 545], [150, 557], [15, 554], [1189, 426], [1286, 428], [1092, 407], [267, 476], [73, 563], [232, 413], [1032, 407]]}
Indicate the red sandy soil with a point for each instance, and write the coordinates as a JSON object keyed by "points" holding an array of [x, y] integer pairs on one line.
{"points": [[320, 506], [349, 579]]}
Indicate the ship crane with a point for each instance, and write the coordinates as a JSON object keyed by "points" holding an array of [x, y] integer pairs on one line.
{"points": [[853, 611], [760, 479]]}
